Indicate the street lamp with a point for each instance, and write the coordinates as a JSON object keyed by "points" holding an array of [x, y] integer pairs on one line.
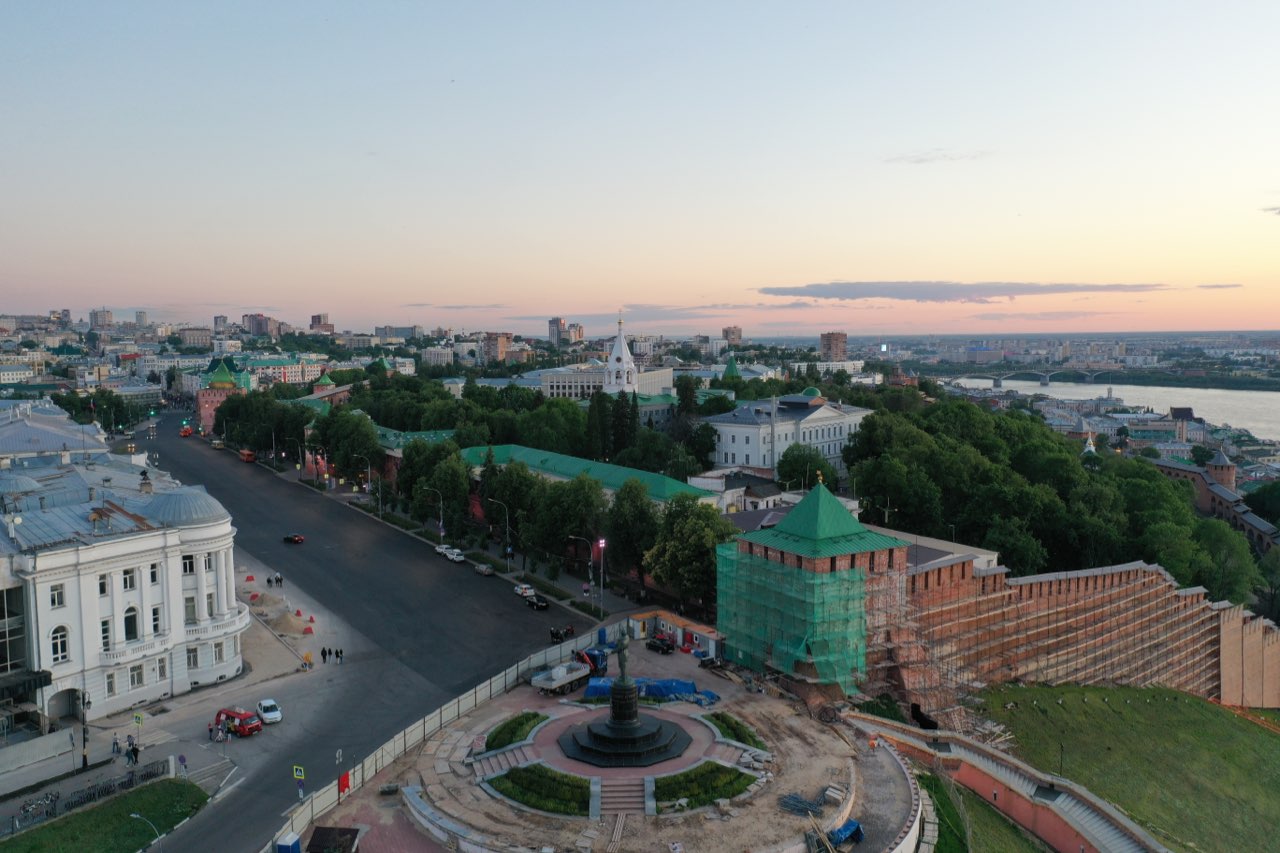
{"points": [[590, 575], [507, 513], [601, 595], [301, 456], [369, 478], [85, 705], [441, 507], [137, 816]]}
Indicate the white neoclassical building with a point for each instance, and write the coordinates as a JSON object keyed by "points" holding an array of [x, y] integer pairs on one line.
{"points": [[118, 584], [758, 432], [616, 374]]}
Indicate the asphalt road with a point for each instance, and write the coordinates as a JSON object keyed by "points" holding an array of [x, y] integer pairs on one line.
{"points": [[428, 629]]}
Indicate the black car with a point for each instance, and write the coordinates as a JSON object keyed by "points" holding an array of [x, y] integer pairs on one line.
{"points": [[660, 644], [537, 602], [294, 539]]}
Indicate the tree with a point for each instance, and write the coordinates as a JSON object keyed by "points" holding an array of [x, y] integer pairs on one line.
{"points": [[1269, 588], [1232, 572], [686, 395], [1201, 455], [452, 479], [684, 555], [802, 465], [631, 525], [599, 426], [1019, 550], [1265, 501]]}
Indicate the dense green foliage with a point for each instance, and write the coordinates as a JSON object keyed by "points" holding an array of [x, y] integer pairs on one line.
{"points": [[683, 557], [539, 787], [1265, 501], [885, 706], [1189, 771], [106, 407], [734, 729], [1006, 482], [107, 827], [514, 730], [259, 420]]}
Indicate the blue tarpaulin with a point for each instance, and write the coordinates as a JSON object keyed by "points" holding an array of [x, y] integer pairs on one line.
{"points": [[662, 689], [849, 830]]}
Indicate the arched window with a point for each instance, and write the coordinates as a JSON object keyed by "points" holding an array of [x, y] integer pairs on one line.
{"points": [[131, 624], [628, 377], [58, 645]]}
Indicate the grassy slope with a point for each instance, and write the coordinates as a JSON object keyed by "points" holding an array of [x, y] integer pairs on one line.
{"points": [[1189, 771], [991, 831], [107, 828]]}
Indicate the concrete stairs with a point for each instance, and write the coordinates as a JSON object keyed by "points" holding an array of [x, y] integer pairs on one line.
{"points": [[622, 796], [496, 763]]}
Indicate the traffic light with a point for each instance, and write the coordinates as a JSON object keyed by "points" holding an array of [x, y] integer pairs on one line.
{"points": [[184, 421], [152, 413]]}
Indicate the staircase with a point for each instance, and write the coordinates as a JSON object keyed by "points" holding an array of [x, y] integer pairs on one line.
{"points": [[209, 778], [497, 763], [622, 796]]}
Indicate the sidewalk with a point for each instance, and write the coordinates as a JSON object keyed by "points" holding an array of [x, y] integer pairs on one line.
{"points": [[168, 726]]}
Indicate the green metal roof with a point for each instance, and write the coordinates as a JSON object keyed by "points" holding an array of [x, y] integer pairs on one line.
{"points": [[820, 526], [731, 369], [392, 439], [324, 380], [321, 407], [611, 477]]}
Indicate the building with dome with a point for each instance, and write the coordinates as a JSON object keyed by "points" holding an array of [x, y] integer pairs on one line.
{"points": [[617, 373], [758, 432], [118, 586]]}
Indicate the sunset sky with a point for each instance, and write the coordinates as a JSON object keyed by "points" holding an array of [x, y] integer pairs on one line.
{"points": [[875, 168]]}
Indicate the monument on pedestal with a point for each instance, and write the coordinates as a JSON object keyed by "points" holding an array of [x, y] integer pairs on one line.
{"points": [[628, 738]]}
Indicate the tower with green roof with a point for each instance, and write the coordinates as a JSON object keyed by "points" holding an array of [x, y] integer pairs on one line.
{"points": [[792, 599]]}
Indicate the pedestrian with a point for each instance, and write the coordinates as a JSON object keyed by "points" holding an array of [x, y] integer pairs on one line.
{"points": [[211, 731], [586, 590], [324, 655], [339, 655], [268, 583], [129, 741], [279, 581], [115, 744], [135, 752]]}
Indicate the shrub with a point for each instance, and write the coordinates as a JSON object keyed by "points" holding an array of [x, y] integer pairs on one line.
{"points": [[539, 787], [734, 729], [589, 609], [883, 706], [703, 784], [513, 730]]}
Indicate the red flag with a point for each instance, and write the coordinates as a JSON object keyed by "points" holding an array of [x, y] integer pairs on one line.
{"points": [[344, 782]]}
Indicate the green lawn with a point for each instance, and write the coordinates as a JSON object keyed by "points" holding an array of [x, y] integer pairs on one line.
{"points": [[991, 831], [107, 828], [1196, 776]]}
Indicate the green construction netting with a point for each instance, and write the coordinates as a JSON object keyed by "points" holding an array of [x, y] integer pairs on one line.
{"points": [[790, 619]]}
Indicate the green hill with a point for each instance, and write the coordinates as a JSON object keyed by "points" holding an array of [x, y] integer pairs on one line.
{"points": [[1195, 775]]}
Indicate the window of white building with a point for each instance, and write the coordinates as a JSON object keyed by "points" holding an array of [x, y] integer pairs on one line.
{"points": [[188, 564], [155, 573], [155, 620], [102, 584], [135, 677], [162, 668], [106, 635], [130, 579], [57, 595], [58, 645], [111, 684], [217, 653], [131, 624], [190, 608], [193, 657]]}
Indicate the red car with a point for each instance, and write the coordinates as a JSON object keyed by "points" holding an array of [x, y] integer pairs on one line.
{"points": [[294, 539]]}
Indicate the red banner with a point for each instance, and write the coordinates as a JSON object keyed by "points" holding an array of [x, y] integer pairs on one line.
{"points": [[344, 782]]}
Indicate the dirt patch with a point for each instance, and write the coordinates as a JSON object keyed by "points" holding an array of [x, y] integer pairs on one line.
{"points": [[287, 623]]}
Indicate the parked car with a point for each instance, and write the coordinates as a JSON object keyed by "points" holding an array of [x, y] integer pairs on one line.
{"points": [[456, 555], [294, 539], [443, 547], [483, 568], [525, 590], [537, 602], [660, 644], [269, 711]]}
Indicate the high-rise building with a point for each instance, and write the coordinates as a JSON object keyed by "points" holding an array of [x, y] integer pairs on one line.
{"points": [[732, 335], [555, 331], [320, 325], [575, 334], [261, 325], [219, 324], [140, 318], [101, 318], [833, 346], [496, 344]]}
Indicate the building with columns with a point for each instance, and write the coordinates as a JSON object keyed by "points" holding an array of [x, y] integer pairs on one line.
{"points": [[119, 585], [617, 374]]}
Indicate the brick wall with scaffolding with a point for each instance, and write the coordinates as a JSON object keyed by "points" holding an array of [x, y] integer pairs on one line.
{"points": [[804, 618]]}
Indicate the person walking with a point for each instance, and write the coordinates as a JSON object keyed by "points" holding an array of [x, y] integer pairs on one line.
{"points": [[134, 752], [211, 731], [269, 582], [279, 581], [115, 744], [339, 655], [324, 655]]}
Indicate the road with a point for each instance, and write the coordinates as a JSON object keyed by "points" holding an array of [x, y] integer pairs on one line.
{"points": [[423, 631]]}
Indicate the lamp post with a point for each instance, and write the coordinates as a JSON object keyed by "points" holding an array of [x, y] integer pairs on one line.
{"points": [[369, 478], [137, 816], [590, 576], [440, 505], [507, 514], [600, 596], [85, 705], [301, 456]]}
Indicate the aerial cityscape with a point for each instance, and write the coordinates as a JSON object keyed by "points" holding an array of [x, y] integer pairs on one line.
{"points": [[507, 427]]}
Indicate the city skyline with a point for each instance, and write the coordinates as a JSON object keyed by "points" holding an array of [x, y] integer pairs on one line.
{"points": [[792, 171]]}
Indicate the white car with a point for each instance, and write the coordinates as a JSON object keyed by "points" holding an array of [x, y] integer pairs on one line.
{"points": [[269, 711], [456, 555], [524, 590], [443, 547]]}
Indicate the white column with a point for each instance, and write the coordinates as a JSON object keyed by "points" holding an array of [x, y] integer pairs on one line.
{"points": [[202, 590], [229, 576], [143, 576]]}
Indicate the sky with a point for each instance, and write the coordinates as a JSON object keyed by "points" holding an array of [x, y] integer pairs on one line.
{"points": [[792, 168]]}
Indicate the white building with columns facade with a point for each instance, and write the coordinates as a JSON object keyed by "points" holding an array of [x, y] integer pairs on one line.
{"points": [[126, 581]]}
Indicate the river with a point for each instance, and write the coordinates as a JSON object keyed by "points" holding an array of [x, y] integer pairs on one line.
{"points": [[1256, 411]]}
